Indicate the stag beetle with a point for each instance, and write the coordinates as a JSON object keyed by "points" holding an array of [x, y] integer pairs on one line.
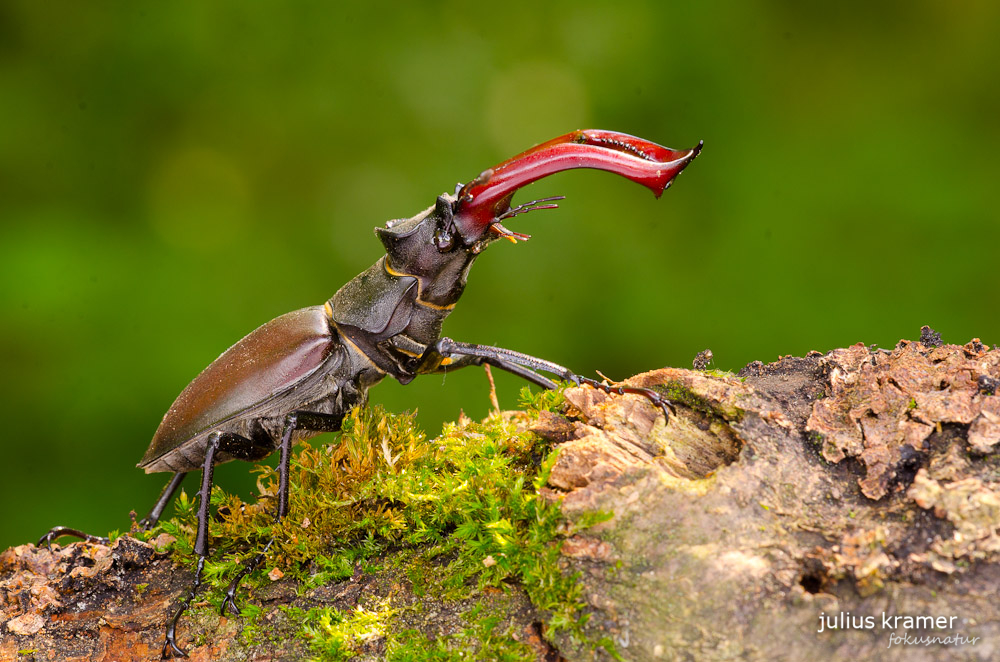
{"points": [[299, 374]]}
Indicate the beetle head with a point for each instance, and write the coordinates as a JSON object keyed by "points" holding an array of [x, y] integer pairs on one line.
{"points": [[439, 244], [428, 247], [406, 238]]}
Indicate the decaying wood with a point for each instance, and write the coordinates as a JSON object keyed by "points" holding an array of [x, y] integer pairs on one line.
{"points": [[841, 492]]}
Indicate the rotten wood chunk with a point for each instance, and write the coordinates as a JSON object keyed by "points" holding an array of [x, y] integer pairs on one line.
{"points": [[553, 427], [85, 600], [862, 482], [883, 407], [787, 525]]}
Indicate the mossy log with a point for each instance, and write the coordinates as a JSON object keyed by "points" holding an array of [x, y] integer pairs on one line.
{"points": [[843, 506]]}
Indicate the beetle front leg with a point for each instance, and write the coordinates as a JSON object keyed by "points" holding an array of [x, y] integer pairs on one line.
{"points": [[297, 420], [447, 354]]}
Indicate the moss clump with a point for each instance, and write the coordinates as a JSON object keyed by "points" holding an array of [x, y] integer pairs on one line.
{"points": [[466, 503], [679, 393], [721, 374], [334, 636], [479, 640]]}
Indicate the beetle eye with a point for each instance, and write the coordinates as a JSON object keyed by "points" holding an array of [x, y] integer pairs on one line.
{"points": [[444, 240]]}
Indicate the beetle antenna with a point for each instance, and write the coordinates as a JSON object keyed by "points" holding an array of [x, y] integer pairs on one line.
{"points": [[498, 229], [531, 206]]}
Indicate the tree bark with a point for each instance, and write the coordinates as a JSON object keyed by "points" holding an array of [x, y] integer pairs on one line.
{"points": [[843, 506]]}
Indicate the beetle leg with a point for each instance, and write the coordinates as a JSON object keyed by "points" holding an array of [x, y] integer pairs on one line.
{"points": [[229, 602], [445, 355], [226, 442], [166, 496], [665, 405], [170, 647], [60, 531], [296, 420], [440, 358], [146, 523], [462, 354]]}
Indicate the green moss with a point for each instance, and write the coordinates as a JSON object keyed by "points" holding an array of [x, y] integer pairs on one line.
{"points": [[677, 392], [334, 634], [533, 402], [465, 506], [253, 632], [480, 640]]}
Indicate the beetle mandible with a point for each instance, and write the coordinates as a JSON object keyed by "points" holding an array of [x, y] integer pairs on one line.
{"points": [[300, 374]]}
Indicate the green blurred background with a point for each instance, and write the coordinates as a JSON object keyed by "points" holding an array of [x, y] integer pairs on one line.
{"points": [[174, 174]]}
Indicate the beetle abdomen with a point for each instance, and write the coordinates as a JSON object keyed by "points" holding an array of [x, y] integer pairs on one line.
{"points": [[241, 386]]}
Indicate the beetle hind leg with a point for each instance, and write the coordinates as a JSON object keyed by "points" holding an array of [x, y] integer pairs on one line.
{"points": [[296, 420], [170, 647], [166, 496], [59, 531], [146, 523], [226, 442]]}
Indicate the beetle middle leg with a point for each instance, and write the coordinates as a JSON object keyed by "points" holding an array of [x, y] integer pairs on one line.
{"points": [[296, 420], [460, 354]]}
